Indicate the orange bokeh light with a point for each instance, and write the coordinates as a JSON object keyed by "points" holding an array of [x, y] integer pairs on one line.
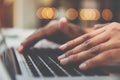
{"points": [[71, 14], [46, 13], [89, 14], [107, 14]]}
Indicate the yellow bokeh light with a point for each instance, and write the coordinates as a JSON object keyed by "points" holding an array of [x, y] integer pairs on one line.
{"points": [[71, 14], [50, 13], [38, 13], [97, 14], [89, 14], [46, 13], [107, 14]]}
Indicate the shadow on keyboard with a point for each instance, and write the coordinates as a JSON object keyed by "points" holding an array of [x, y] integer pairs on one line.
{"points": [[43, 62]]}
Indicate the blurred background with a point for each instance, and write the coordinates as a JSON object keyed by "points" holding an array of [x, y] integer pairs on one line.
{"points": [[37, 13]]}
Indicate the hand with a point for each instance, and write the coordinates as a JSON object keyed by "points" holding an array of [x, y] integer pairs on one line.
{"points": [[98, 26], [97, 48], [59, 31]]}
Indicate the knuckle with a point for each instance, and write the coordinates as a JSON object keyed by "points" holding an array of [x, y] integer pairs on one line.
{"points": [[95, 50], [114, 23], [113, 30], [114, 26], [85, 37], [87, 44]]}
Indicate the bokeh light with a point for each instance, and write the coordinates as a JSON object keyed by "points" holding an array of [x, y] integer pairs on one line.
{"points": [[89, 14], [71, 14], [107, 14], [46, 13]]}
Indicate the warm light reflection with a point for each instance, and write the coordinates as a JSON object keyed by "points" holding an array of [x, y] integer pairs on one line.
{"points": [[46, 13], [71, 14], [89, 14], [107, 14]]}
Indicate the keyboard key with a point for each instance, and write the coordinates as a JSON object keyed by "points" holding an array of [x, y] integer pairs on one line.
{"points": [[53, 66], [32, 68], [67, 68], [41, 66], [49, 66]]}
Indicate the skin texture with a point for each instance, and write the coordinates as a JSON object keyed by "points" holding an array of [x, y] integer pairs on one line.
{"points": [[97, 48], [60, 31]]}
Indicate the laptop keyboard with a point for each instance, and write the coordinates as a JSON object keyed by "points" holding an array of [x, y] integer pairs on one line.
{"points": [[43, 62]]}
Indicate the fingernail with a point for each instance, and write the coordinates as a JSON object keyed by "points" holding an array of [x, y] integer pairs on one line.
{"points": [[61, 57], [63, 47], [83, 66], [20, 48], [64, 61]]}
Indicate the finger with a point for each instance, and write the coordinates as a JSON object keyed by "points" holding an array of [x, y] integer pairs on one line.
{"points": [[75, 58], [31, 40], [102, 59], [98, 26], [63, 22], [68, 28], [110, 44], [84, 55], [49, 29], [86, 45], [64, 26], [81, 39]]}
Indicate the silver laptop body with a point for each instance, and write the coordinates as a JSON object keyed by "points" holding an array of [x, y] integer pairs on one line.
{"points": [[41, 64]]}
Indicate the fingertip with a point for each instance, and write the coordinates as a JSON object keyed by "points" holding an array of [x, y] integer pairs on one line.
{"points": [[61, 57], [64, 61], [63, 21], [20, 48], [83, 66], [63, 47]]}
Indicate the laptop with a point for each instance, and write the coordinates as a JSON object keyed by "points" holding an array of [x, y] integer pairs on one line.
{"points": [[42, 64]]}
